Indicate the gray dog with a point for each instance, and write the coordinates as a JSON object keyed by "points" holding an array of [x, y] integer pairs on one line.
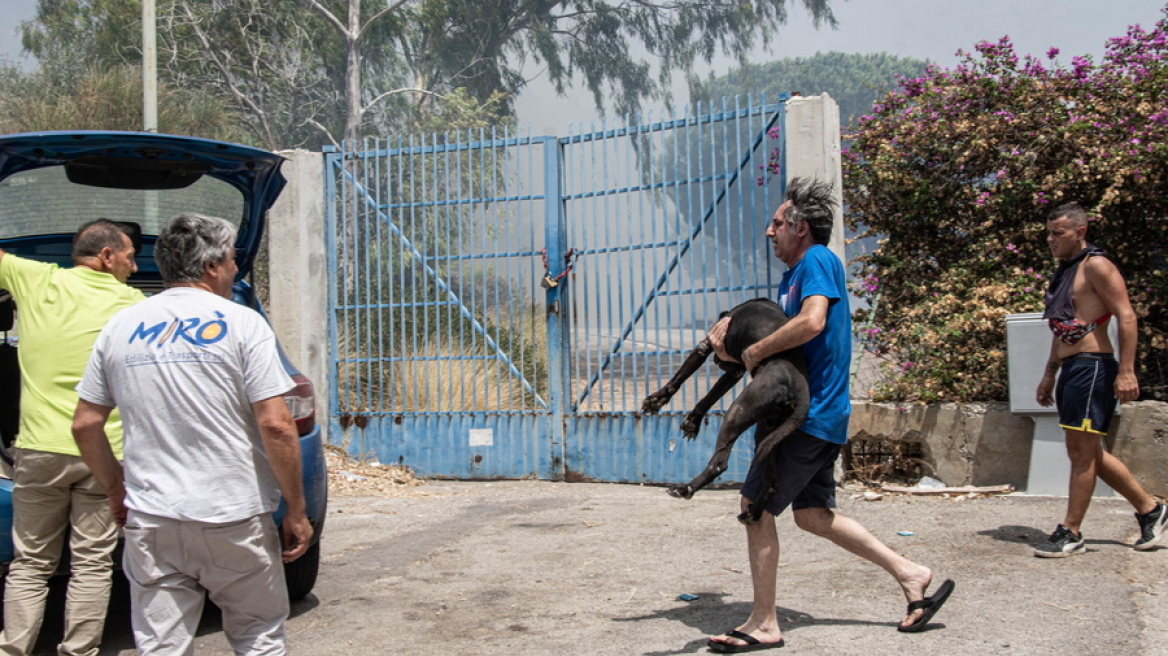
{"points": [[776, 399]]}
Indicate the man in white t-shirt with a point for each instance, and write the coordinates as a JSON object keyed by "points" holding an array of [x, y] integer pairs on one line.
{"points": [[209, 446]]}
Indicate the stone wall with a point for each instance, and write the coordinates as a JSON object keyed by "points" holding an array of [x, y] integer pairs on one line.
{"points": [[985, 444], [1141, 442]]}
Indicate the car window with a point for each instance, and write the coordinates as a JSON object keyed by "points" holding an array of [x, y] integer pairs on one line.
{"points": [[43, 201]]}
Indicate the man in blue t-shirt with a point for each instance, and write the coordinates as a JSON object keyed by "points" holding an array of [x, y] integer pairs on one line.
{"points": [[814, 295]]}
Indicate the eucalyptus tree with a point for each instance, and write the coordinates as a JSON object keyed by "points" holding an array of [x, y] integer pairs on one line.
{"points": [[302, 72]]}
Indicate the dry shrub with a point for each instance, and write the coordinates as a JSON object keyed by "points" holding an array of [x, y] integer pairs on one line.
{"points": [[362, 477], [884, 461]]}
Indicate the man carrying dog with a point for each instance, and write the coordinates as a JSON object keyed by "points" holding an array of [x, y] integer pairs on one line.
{"points": [[1087, 284], [813, 294]]}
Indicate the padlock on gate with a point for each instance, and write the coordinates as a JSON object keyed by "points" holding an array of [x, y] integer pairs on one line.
{"points": [[548, 281]]}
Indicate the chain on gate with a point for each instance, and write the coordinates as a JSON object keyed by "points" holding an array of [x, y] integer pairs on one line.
{"points": [[570, 258]]}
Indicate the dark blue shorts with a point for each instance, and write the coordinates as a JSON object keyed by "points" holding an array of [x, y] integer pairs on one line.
{"points": [[1085, 392], [805, 473]]}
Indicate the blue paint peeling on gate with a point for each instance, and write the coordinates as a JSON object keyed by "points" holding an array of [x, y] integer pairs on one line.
{"points": [[449, 355]]}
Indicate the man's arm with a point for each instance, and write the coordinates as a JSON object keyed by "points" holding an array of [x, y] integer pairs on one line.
{"points": [[802, 328], [1046, 385], [282, 444], [1108, 284], [89, 433]]}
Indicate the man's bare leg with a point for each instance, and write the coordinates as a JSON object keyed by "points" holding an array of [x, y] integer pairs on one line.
{"points": [[1088, 461], [1083, 450], [762, 543], [846, 532], [1119, 478]]}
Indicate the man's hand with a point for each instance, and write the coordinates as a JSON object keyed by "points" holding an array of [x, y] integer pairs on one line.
{"points": [[1045, 388], [717, 337], [1127, 387], [282, 445], [89, 433], [117, 506], [297, 535]]}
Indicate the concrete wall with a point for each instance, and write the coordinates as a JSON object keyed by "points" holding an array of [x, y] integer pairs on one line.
{"points": [[985, 444], [1141, 442], [298, 283]]}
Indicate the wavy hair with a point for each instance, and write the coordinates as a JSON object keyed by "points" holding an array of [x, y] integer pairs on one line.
{"points": [[812, 201], [189, 241]]}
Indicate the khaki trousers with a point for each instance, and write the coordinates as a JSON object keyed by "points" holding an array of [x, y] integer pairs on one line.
{"points": [[53, 492], [171, 563]]}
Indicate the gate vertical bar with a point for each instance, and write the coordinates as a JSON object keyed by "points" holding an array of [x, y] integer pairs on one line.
{"points": [[559, 339], [331, 161]]}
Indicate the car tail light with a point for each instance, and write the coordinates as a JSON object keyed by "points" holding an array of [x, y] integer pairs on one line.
{"points": [[302, 404]]}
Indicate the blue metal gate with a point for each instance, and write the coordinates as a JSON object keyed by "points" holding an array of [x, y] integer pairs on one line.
{"points": [[501, 304]]}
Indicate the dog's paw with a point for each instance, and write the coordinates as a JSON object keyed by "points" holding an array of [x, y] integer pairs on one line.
{"points": [[750, 516], [653, 403], [691, 427], [681, 492]]}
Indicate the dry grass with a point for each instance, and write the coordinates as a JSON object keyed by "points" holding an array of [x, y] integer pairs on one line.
{"points": [[455, 385], [442, 384], [446, 380], [352, 477]]}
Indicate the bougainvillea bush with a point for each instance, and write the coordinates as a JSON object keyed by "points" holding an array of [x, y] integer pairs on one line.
{"points": [[956, 171]]}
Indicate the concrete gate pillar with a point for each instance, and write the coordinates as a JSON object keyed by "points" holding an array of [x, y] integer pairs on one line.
{"points": [[813, 150], [298, 275]]}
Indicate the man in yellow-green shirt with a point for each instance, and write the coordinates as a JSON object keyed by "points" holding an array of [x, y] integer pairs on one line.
{"points": [[61, 311]]}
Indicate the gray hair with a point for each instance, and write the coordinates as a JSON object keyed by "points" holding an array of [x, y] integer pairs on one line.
{"points": [[812, 201], [96, 235], [189, 241]]}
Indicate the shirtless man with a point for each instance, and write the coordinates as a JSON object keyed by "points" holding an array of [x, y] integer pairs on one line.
{"points": [[1085, 293]]}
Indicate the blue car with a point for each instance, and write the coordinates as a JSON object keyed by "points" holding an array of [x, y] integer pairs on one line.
{"points": [[52, 182]]}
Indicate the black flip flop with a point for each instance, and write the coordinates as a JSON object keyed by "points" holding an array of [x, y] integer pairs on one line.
{"points": [[752, 644], [930, 604]]}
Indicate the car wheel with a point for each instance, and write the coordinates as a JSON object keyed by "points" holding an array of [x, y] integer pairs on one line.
{"points": [[300, 574]]}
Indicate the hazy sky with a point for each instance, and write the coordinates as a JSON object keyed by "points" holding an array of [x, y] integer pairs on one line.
{"points": [[926, 29]]}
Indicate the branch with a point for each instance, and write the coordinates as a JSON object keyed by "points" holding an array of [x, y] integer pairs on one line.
{"points": [[328, 15], [968, 489], [382, 96], [226, 76], [323, 129], [371, 21]]}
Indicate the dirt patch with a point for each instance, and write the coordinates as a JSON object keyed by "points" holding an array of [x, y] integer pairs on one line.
{"points": [[352, 477]]}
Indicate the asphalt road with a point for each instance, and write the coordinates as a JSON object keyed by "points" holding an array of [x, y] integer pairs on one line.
{"points": [[530, 567]]}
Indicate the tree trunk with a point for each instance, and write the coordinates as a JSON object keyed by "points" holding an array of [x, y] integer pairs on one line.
{"points": [[353, 72]]}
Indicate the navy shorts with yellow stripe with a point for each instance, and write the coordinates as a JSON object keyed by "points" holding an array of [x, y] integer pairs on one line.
{"points": [[1085, 392]]}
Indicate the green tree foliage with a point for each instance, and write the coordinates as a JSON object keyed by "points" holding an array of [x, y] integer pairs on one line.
{"points": [[106, 99], [854, 81], [957, 170], [70, 36], [289, 67]]}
